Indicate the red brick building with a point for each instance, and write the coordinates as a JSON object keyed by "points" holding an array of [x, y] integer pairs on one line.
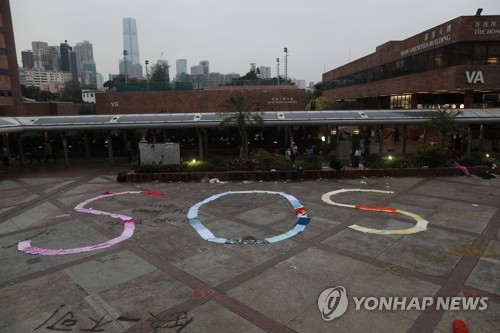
{"points": [[10, 89], [266, 98], [455, 64]]}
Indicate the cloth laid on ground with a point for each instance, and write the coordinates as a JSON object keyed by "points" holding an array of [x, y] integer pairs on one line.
{"points": [[420, 226], [128, 230], [206, 234]]}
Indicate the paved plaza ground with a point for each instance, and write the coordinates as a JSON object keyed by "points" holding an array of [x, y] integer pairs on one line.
{"points": [[166, 278]]}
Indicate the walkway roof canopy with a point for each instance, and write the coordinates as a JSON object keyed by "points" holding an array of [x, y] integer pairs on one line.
{"points": [[205, 120]]}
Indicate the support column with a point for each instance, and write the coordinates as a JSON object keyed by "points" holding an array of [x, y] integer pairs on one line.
{"points": [[65, 149], [381, 141], [469, 141], [20, 149], [205, 143], [86, 145], [468, 99], [201, 150], [110, 148], [481, 137], [333, 154], [337, 155], [355, 152], [405, 135], [288, 142]]}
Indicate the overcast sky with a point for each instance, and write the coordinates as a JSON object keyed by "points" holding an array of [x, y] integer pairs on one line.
{"points": [[319, 34]]}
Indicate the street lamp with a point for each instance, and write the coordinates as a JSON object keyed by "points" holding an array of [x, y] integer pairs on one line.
{"points": [[286, 62], [278, 66], [125, 64], [147, 74]]}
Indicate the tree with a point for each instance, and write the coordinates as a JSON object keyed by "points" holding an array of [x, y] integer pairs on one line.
{"points": [[445, 122], [322, 103], [37, 94], [72, 92], [159, 73], [109, 84], [252, 75], [240, 112]]}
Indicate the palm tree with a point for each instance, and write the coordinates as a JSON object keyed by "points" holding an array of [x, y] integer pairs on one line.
{"points": [[240, 112], [445, 122]]}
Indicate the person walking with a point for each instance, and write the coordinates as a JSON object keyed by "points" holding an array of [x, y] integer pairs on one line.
{"points": [[48, 152], [396, 136], [128, 150], [34, 154], [294, 151], [6, 156]]}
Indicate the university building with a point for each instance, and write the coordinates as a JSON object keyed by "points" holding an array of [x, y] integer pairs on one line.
{"points": [[10, 91], [453, 65]]}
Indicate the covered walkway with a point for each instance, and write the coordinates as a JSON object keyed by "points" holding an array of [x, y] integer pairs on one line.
{"points": [[327, 123]]}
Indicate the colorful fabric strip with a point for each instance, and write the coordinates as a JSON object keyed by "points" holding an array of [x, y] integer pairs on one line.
{"points": [[128, 230], [206, 234], [420, 226]]}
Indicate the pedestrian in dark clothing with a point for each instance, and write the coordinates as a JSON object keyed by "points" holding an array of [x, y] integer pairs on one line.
{"points": [[34, 154], [396, 136], [294, 151], [128, 150], [457, 142], [6, 156], [48, 152]]}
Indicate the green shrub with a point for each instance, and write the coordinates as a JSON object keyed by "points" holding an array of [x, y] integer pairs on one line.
{"points": [[309, 163], [196, 165], [384, 162], [431, 155], [264, 159], [242, 164], [218, 163], [158, 168], [489, 160], [372, 161]]}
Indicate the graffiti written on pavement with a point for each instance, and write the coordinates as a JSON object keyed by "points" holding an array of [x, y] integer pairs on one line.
{"points": [[67, 321], [162, 213], [39, 233]]}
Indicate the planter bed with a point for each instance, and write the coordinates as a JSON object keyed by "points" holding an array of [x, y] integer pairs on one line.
{"points": [[291, 175]]}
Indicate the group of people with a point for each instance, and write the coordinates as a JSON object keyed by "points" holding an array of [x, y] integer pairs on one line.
{"points": [[34, 155], [292, 152], [47, 152]]}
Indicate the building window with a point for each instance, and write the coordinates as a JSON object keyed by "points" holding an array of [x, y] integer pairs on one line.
{"points": [[401, 102], [481, 53], [493, 56]]}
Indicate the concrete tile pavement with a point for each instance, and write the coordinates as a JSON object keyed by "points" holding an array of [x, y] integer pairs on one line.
{"points": [[166, 278]]}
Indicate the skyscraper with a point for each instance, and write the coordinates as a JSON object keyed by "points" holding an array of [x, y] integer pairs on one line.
{"points": [[131, 45], [44, 56], [68, 60], [85, 62], [181, 66], [84, 54]]}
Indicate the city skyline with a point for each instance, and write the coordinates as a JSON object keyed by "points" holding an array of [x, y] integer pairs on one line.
{"points": [[320, 35]]}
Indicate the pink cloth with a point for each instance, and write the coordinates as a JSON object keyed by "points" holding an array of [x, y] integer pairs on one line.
{"points": [[461, 167], [128, 230]]}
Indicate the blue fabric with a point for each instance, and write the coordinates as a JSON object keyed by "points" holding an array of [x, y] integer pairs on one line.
{"points": [[286, 235], [303, 220], [205, 233]]}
